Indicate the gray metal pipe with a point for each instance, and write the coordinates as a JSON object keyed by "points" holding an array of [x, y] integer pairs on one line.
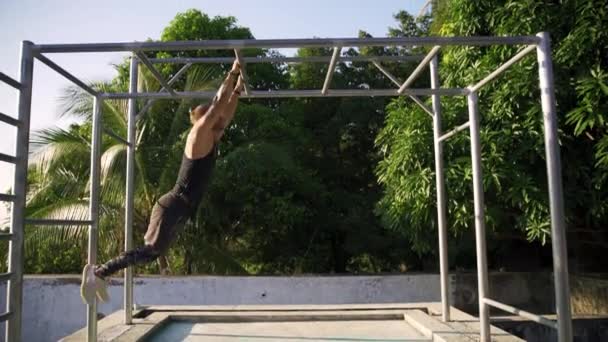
{"points": [[155, 73], [14, 295], [61, 71], [454, 131], [9, 80], [115, 136], [130, 189], [427, 59], [296, 93], [9, 120], [441, 195], [520, 55], [53, 222], [7, 198], [331, 69], [173, 79], [398, 83], [480, 224], [283, 43], [264, 59], [8, 159], [521, 313], [556, 193], [94, 193]]}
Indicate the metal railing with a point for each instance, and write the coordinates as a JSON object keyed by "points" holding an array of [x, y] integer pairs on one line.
{"points": [[540, 43]]}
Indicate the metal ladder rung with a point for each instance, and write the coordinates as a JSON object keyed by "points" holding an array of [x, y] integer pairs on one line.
{"points": [[9, 120], [10, 81], [52, 222], [6, 276], [5, 316], [7, 198], [7, 158], [5, 236]]}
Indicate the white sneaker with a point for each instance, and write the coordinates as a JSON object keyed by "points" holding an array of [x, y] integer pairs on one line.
{"points": [[87, 286], [101, 286]]}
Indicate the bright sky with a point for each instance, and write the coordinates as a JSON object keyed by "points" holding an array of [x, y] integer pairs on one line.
{"points": [[80, 21]]}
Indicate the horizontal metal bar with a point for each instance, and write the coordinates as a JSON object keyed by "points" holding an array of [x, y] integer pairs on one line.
{"points": [[521, 313], [503, 67], [155, 73], [7, 158], [173, 79], [10, 81], [283, 43], [264, 59], [5, 316], [296, 93], [5, 236], [66, 74], [115, 136], [6, 276], [53, 222], [434, 51], [9, 120], [7, 198], [239, 57], [455, 131]]}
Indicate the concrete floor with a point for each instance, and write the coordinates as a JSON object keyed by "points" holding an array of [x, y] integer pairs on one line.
{"points": [[392, 331], [298, 323]]}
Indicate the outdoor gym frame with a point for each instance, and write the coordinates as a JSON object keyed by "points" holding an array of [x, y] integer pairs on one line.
{"points": [[540, 43]]}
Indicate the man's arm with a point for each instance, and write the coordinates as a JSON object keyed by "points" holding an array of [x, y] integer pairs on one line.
{"points": [[219, 106], [228, 114]]}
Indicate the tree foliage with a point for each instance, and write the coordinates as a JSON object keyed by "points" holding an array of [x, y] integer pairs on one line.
{"points": [[514, 175]]}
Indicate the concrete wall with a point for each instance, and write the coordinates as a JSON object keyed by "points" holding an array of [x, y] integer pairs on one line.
{"points": [[53, 308]]}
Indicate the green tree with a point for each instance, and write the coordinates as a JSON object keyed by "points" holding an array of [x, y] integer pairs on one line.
{"points": [[511, 130]]}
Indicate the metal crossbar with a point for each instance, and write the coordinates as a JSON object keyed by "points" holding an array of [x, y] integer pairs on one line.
{"points": [[65, 74], [283, 43], [540, 43], [455, 131], [5, 276], [7, 198], [9, 120], [521, 313], [10, 81], [53, 222], [155, 73], [273, 59], [7, 158]]}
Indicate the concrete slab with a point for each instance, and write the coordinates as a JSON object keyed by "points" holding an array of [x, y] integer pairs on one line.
{"points": [[375, 322], [388, 331]]}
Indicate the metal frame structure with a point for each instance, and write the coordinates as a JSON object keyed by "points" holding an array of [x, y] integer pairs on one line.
{"points": [[540, 43]]}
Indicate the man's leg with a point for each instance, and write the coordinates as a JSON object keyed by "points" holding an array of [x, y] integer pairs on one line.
{"points": [[93, 277], [141, 255]]}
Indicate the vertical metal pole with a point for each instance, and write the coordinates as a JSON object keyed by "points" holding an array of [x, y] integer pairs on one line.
{"points": [[94, 208], [14, 295], [441, 197], [556, 197], [130, 185], [480, 225]]}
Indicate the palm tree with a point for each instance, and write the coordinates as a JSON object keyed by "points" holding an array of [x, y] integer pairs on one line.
{"points": [[59, 165]]}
